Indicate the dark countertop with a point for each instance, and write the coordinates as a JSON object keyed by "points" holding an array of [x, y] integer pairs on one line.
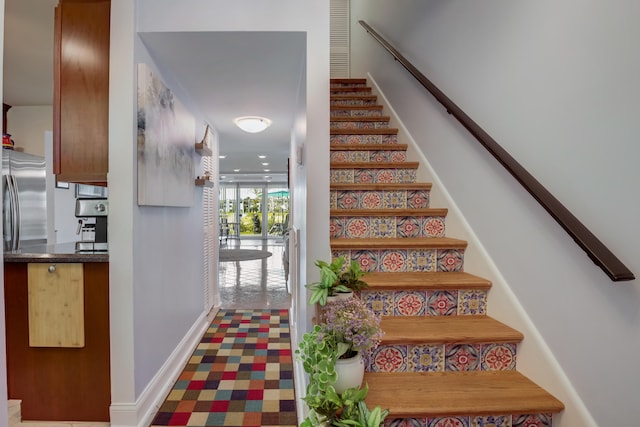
{"points": [[62, 252]]}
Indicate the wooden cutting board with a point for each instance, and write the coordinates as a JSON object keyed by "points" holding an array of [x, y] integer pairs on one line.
{"points": [[56, 305]]}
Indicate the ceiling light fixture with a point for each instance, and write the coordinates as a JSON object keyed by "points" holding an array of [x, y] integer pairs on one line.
{"points": [[252, 124]]}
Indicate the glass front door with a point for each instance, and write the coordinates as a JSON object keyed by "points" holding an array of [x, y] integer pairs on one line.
{"points": [[254, 210]]}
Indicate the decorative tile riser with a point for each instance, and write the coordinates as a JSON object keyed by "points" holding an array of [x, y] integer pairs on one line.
{"points": [[373, 176], [359, 125], [379, 199], [356, 113], [363, 139], [368, 156], [403, 260], [516, 420], [433, 302], [339, 85], [442, 357], [386, 226], [352, 102]]}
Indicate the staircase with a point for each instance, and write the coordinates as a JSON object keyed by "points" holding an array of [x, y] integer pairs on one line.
{"points": [[443, 361]]}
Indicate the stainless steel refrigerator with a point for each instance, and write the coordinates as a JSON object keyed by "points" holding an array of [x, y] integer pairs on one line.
{"points": [[24, 205]]}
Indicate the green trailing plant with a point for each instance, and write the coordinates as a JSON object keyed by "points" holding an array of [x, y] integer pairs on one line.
{"points": [[318, 351], [334, 278]]}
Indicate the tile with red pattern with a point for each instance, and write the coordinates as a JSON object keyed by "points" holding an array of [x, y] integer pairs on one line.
{"points": [[389, 358], [461, 357], [409, 303], [498, 357]]}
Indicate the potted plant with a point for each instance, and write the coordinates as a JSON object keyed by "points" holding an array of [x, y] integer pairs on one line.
{"points": [[319, 353], [356, 413], [355, 329], [334, 279], [351, 277]]}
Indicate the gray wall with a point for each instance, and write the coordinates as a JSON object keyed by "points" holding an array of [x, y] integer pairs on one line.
{"points": [[558, 85]]}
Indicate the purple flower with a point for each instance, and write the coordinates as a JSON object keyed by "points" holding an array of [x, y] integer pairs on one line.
{"points": [[351, 322]]}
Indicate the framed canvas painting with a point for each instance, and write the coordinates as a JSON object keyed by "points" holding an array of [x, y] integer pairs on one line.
{"points": [[166, 135]]}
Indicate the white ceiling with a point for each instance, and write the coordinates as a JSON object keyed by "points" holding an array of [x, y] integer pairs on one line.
{"points": [[225, 74]]}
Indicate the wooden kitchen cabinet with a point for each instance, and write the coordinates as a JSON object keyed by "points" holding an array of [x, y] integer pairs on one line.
{"points": [[81, 91], [59, 383]]}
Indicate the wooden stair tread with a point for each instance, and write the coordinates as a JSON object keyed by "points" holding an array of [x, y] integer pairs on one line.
{"points": [[399, 243], [429, 394], [395, 186], [376, 147], [389, 212], [363, 131], [347, 89], [415, 280], [348, 80], [360, 119], [446, 329], [374, 165]]}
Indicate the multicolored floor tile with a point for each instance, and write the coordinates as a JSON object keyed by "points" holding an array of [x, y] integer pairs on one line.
{"points": [[241, 374]]}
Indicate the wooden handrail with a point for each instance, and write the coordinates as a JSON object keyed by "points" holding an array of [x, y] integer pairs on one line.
{"points": [[594, 248]]}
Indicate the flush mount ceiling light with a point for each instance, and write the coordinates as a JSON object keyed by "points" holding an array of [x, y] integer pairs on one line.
{"points": [[252, 124]]}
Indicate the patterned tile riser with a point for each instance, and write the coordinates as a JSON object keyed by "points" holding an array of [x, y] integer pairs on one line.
{"points": [[435, 302], [356, 113], [373, 176], [379, 199], [339, 85], [352, 102], [402, 260], [518, 420], [386, 226], [363, 139], [442, 357], [368, 156], [359, 125]]}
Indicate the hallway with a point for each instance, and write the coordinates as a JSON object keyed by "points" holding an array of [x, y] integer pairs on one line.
{"points": [[255, 283], [241, 373]]}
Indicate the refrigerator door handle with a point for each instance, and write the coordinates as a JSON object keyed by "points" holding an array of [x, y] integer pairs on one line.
{"points": [[16, 207], [8, 213]]}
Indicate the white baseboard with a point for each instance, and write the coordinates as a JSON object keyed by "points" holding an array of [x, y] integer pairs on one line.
{"points": [[141, 412]]}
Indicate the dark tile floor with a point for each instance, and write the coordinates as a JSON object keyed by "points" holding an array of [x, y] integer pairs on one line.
{"points": [[241, 373]]}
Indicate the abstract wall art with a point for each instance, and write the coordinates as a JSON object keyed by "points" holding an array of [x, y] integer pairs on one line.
{"points": [[166, 135]]}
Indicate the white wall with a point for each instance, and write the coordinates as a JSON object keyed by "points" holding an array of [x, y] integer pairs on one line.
{"points": [[3, 353], [27, 125], [557, 84], [155, 253]]}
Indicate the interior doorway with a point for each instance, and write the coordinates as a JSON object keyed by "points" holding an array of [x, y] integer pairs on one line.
{"points": [[254, 210]]}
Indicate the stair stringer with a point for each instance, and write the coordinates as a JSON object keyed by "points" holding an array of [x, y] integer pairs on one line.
{"points": [[535, 358]]}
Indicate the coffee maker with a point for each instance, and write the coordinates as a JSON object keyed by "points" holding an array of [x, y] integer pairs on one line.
{"points": [[97, 208]]}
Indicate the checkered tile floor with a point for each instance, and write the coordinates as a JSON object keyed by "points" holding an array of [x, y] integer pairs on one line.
{"points": [[241, 374]]}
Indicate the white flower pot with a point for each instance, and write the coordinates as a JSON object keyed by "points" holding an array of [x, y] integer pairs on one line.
{"points": [[350, 373], [339, 296]]}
